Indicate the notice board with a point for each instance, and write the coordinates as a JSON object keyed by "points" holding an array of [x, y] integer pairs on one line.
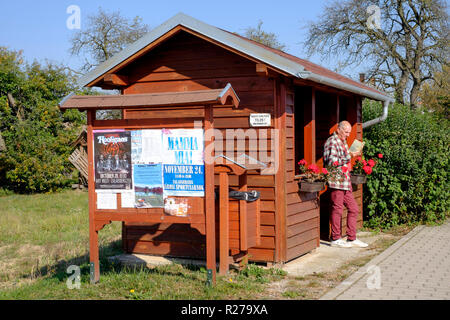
{"points": [[150, 168]]}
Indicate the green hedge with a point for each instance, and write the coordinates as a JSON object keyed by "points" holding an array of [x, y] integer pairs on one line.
{"points": [[410, 183], [37, 159]]}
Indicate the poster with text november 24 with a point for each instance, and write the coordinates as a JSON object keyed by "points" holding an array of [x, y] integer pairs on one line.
{"points": [[183, 163]]}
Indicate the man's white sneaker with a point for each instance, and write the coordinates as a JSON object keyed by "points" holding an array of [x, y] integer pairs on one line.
{"points": [[340, 243], [357, 243]]}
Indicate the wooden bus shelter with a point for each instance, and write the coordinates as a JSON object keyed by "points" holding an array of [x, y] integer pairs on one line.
{"points": [[299, 101]]}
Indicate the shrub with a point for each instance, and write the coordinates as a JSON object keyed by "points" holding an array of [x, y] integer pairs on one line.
{"points": [[37, 160], [410, 184]]}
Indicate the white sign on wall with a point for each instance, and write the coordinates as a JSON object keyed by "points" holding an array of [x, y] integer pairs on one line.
{"points": [[260, 119]]}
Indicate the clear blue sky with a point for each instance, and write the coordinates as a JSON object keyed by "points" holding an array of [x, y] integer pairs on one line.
{"points": [[39, 27]]}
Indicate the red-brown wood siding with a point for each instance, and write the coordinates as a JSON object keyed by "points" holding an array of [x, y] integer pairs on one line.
{"points": [[302, 210]]}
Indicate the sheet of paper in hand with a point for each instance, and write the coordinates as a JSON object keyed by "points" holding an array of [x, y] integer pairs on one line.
{"points": [[356, 146]]}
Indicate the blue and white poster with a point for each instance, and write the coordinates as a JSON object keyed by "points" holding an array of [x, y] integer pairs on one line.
{"points": [[148, 186], [183, 165], [184, 180]]}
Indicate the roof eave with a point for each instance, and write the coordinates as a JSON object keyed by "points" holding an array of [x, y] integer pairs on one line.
{"points": [[345, 86]]}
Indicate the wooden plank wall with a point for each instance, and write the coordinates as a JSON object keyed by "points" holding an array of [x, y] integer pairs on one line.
{"points": [[184, 63], [326, 118], [302, 210], [234, 225]]}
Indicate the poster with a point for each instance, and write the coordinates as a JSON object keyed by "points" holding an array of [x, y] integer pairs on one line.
{"points": [[146, 146], [149, 166], [184, 180], [183, 166], [148, 185], [112, 160], [127, 199], [182, 146], [106, 200]]}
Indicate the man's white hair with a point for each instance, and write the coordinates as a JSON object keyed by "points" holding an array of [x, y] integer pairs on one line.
{"points": [[344, 124]]}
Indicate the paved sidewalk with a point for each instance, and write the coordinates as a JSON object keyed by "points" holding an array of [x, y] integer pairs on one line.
{"points": [[415, 267]]}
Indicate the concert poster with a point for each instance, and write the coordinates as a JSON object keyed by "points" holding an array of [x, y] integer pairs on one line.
{"points": [[112, 160]]}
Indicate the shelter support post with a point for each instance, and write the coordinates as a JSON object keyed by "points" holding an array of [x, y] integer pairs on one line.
{"points": [[335, 117], [243, 213], [93, 233], [248, 234], [224, 223], [209, 195], [310, 129]]}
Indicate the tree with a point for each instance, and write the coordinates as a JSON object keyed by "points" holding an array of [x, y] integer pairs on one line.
{"points": [[11, 80], [436, 95], [266, 38], [105, 35], [402, 50], [37, 135]]}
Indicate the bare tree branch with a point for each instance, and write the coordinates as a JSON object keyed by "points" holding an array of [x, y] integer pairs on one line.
{"points": [[106, 34], [410, 45]]}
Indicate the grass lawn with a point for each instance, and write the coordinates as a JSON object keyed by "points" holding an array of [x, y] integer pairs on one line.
{"points": [[41, 235]]}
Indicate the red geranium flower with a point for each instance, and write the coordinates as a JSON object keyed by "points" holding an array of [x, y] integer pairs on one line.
{"points": [[371, 163], [344, 169], [367, 169], [313, 168], [335, 163], [380, 156], [324, 171], [303, 162]]}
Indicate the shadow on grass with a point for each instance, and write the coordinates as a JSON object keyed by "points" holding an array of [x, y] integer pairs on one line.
{"points": [[58, 270]]}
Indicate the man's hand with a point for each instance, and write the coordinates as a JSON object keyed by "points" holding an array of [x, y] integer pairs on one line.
{"points": [[355, 154]]}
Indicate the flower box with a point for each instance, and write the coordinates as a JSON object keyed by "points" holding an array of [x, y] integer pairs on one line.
{"points": [[305, 186], [358, 178]]}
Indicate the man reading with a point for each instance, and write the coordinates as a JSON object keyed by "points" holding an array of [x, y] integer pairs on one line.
{"points": [[336, 153]]}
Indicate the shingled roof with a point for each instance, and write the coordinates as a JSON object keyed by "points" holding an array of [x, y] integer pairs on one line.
{"points": [[276, 59]]}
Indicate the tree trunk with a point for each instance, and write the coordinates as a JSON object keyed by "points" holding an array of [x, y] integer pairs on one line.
{"points": [[414, 95], [12, 105], [401, 87], [2, 144]]}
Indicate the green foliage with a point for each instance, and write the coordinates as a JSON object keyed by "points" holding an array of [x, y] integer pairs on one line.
{"points": [[410, 184], [259, 274], [36, 133]]}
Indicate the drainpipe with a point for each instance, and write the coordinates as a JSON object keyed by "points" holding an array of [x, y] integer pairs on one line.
{"points": [[379, 119]]}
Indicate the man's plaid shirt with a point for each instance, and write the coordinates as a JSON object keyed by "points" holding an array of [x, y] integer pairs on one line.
{"points": [[335, 150]]}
